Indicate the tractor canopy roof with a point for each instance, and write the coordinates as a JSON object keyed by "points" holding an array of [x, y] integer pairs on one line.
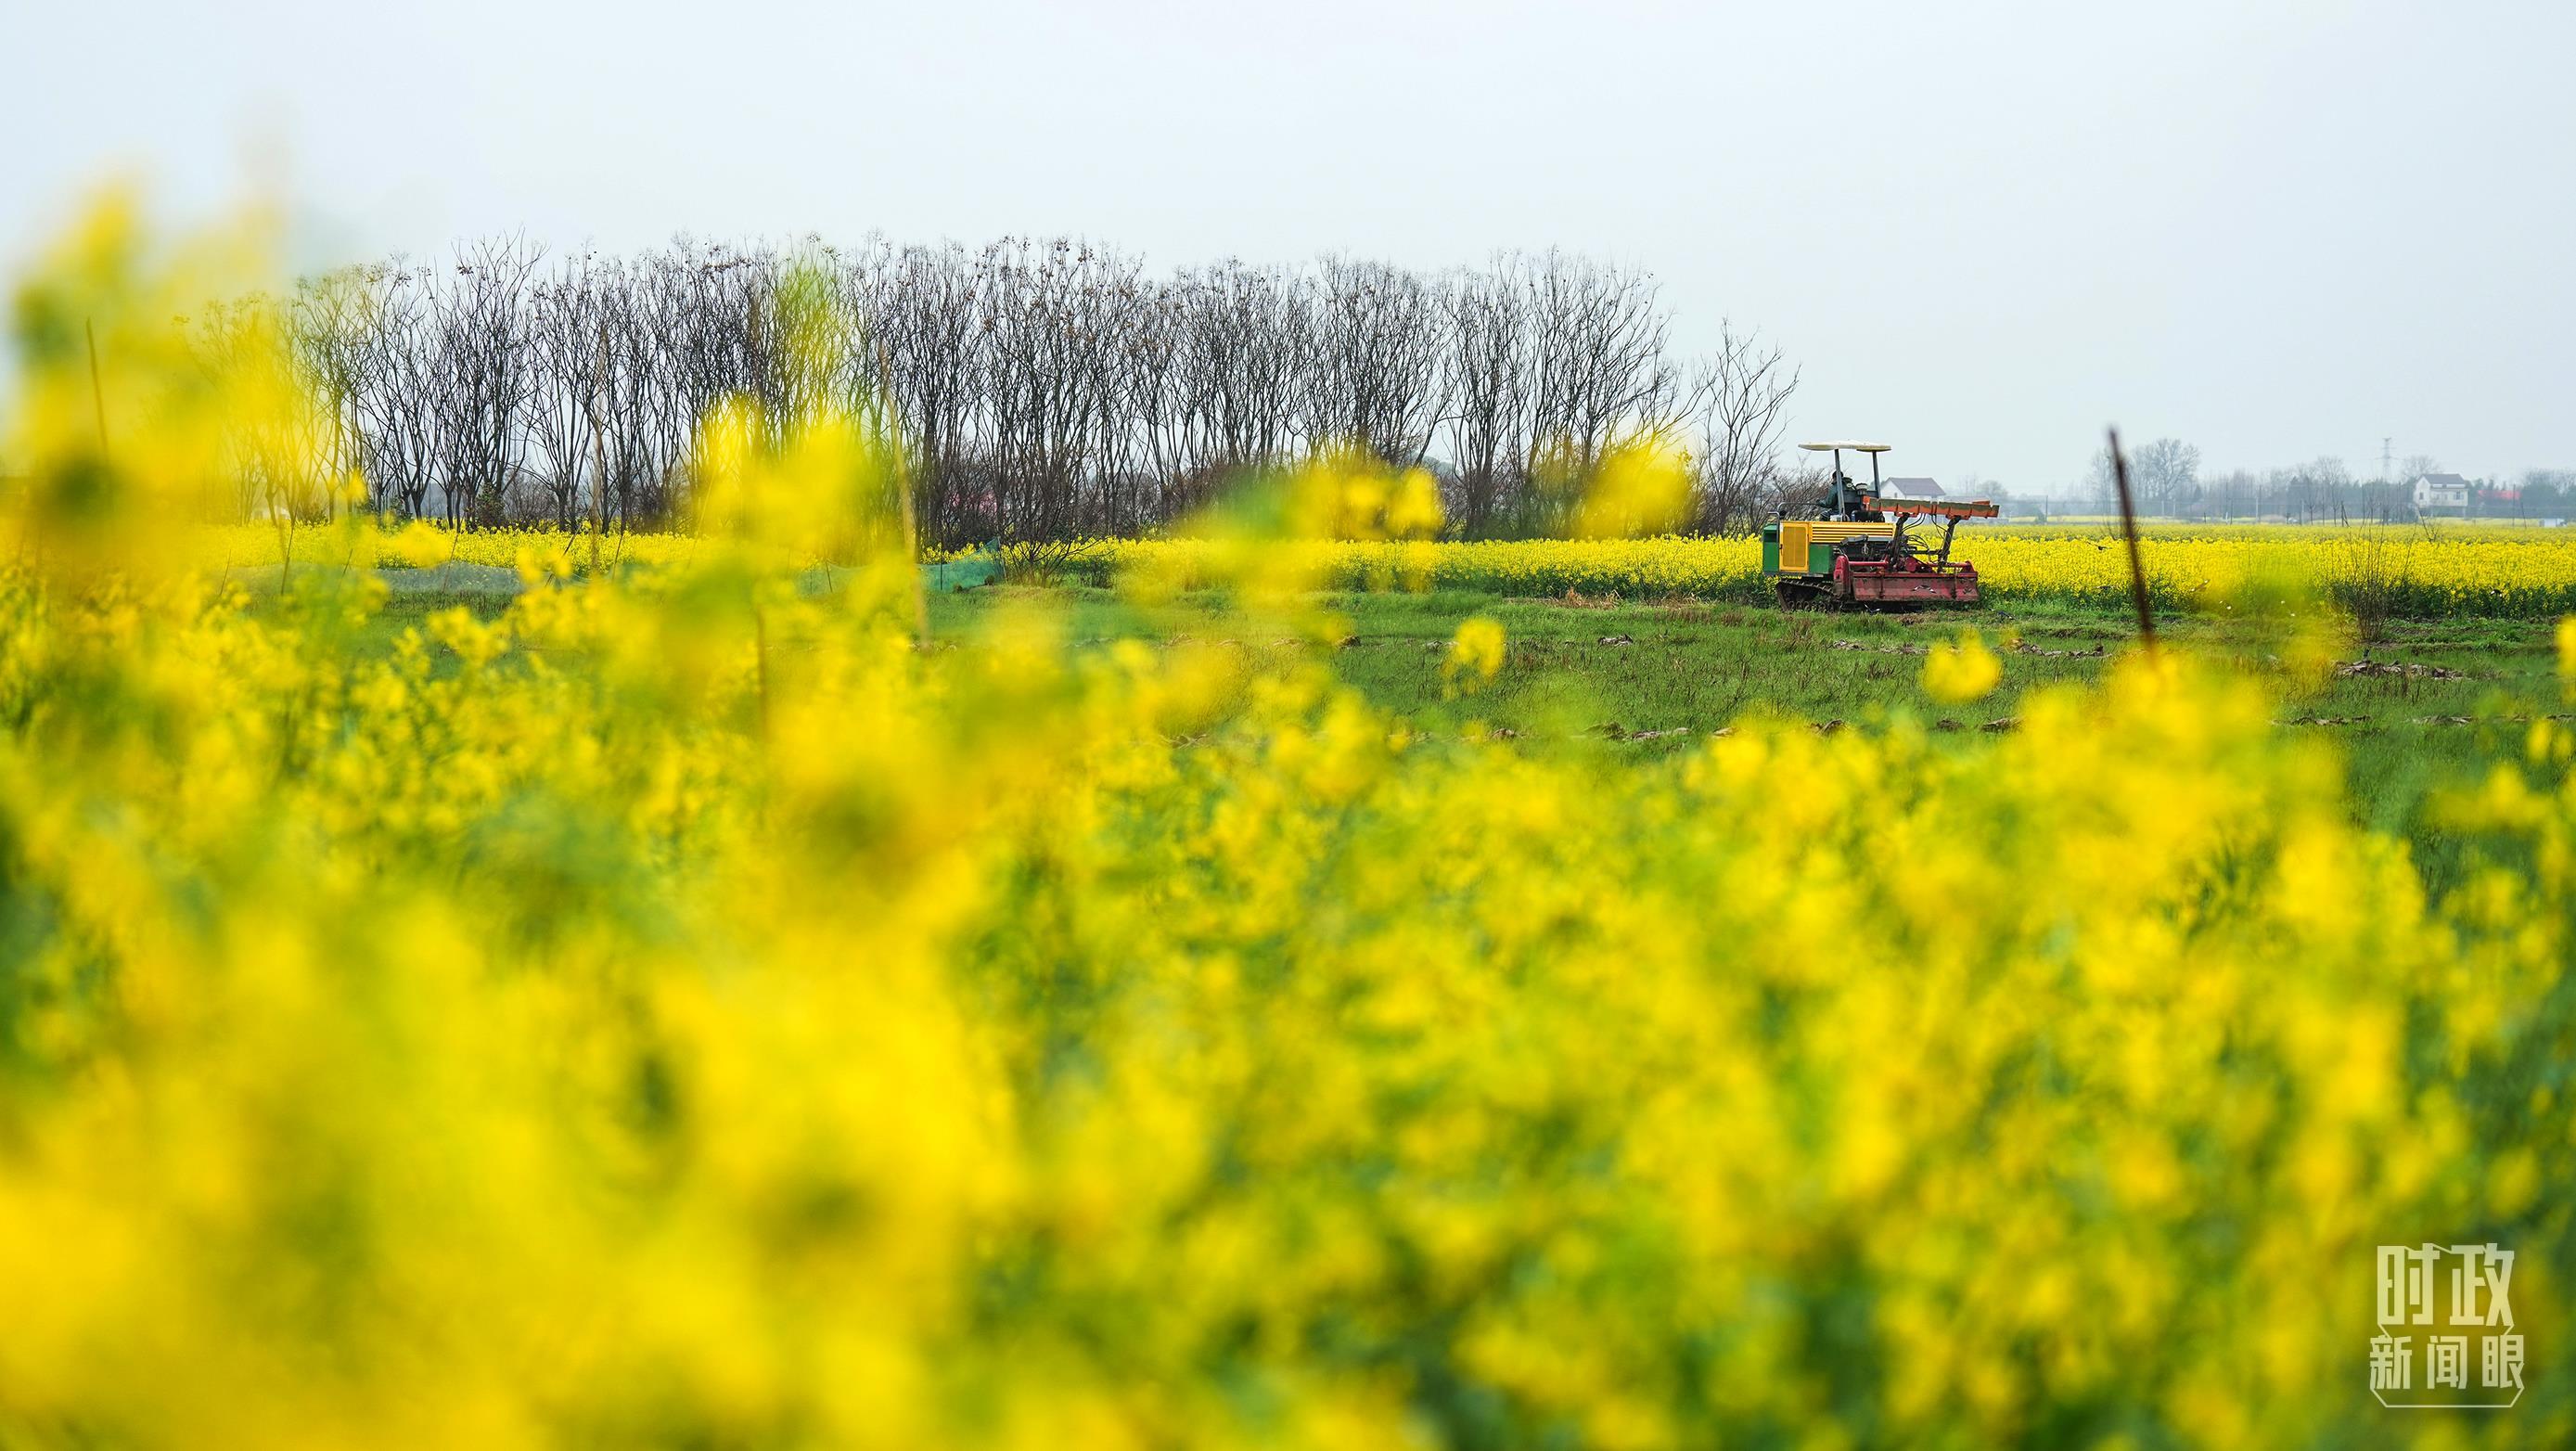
{"points": [[1937, 508], [1857, 447]]}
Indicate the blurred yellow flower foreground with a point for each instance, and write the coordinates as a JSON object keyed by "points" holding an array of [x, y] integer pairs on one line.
{"points": [[683, 1011]]}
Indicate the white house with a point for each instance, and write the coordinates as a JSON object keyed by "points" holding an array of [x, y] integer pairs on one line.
{"points": [[1912, 489], [2441, 491]]}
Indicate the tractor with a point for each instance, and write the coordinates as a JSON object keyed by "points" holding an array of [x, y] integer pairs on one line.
{"points": [[1858, 546]]}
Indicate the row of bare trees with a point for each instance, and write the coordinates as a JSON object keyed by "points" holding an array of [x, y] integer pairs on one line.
{"points": [[1042, 388]]}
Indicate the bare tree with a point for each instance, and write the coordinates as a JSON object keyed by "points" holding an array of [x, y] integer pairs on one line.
{"points": [[1744, 386], [2168, 475], [327, 323], [567, 334], [482, 378], [1040, 389], [278, 459], [1248, 338], [1050, 334], [923, 314], [1491, 362], [1375, 379], [1603, 376], [396, 393]]}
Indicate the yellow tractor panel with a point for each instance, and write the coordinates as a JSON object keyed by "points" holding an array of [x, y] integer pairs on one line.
{"points": [[1793, 547], [1798, 538]]}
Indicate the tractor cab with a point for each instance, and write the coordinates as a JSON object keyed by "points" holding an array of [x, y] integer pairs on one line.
{"points": [[1857, 545]]}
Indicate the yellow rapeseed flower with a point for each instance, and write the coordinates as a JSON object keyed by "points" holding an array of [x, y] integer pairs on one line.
{"points": [[1962, 670], [1475, 654]]}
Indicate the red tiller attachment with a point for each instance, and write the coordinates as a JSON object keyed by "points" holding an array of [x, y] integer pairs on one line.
{"points": [[1906, 581]]}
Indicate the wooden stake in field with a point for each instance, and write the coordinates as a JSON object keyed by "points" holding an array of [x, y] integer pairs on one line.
{"points": [[97, 395], [2129, 527], [893, 438]]}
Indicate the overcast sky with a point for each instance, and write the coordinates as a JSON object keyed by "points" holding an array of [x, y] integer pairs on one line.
{"points": [[2277, 228]]}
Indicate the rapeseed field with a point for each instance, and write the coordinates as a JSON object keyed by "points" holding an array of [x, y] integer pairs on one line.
{"points": [[684, 1009]]}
